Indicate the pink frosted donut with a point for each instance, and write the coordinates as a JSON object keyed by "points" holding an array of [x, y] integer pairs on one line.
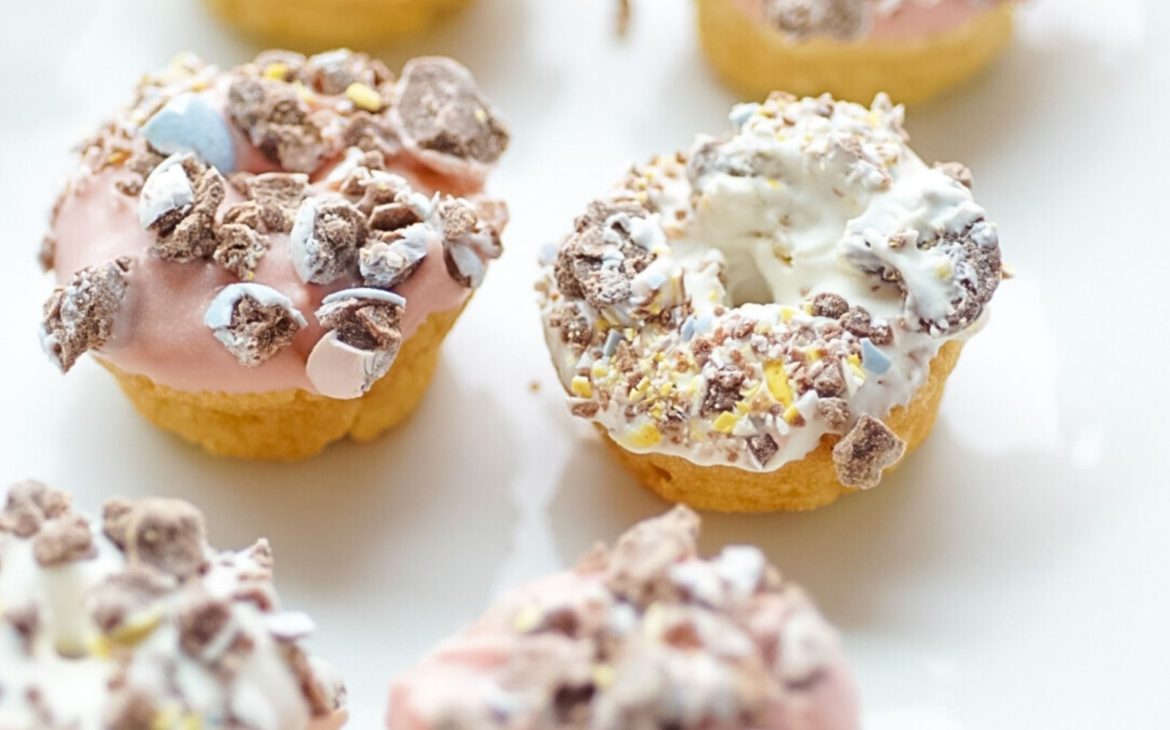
{"points": [[646, 635]]}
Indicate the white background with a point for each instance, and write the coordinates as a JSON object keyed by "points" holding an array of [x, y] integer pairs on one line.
{"points": [[1013, 574]]}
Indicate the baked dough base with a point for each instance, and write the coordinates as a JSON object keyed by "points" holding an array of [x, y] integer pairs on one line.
{"points": [[756, 60], [806, 484], [288, 425], [318, 25]]}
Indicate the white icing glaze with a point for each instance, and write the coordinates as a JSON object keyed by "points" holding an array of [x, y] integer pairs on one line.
{"points": [[808, 198]]}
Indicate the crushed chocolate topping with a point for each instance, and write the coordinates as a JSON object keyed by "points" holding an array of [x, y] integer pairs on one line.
{"points": [[865, 451], [122, 595], [835, 412], [239, 249], [371, 134], [585, 264], [638, 565], [723, 387], [335, 71], [165, 534], [25, 621], [277, 122], [47, 254], [763, 447], [29, 505], [829, 305], [279, 195], [178, 203], [79, 316], [253, 322], [957, 172], [364, 323], [830, 382], [800, 19], [130, 708], [393, 256], [440, 108], [201, 622], [62, 540], [393, 216], [325, 239]]}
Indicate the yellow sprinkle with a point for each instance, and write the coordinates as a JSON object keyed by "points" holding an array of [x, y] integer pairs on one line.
{"points": [[787, 313], [133, 632], [480, 115], [117, 157], [665, 388], [275, 71], [812, 353], [100, 647], [945, 271], [773, 183], [527, 618], [697, 434], [581, 387], [199, 85], [791, 414], [363, 97], [600, 370], [644, 437], [657, 412], [640, 389], [778, 384], [855, 365], [603, 675], [807, 307], [726, 422]]}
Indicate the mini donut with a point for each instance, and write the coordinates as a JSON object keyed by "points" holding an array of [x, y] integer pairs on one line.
{"points": [[766, 321], [853, 49], [314, 25], [133, 622], [646, 635], [268, 258]]}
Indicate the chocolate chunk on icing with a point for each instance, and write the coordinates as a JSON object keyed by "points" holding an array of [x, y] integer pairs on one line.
{"points": [[439, 108], [277, 122], [800, 19], [279, 195], [239, 249], [80, 316], [865, 451], [165, 534], [178, 203], [364, 318], [325, 239], [253, 321], [28, 505], [63, 540]]}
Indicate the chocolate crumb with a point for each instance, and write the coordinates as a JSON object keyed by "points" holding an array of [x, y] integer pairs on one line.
{"points": [[239, 249], [723, 390], [325, 239], [253, 322], [393, 256], [367, 324], [763, 447], [829, 305], [277, 122], [165, 534], [25, 621], [865, 451], [440, 108], [66, 539], [126, 593], [200, 624], [835, 412], [29, 505], [830, 382], [279, 195], [130, 708], [79, 316]]}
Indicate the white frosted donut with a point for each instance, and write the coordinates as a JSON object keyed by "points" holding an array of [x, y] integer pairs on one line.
{"points": [[134, 622], [733, 305]]}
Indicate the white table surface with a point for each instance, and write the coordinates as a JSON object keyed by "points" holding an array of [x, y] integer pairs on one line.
{"points": [[1013, 574]]}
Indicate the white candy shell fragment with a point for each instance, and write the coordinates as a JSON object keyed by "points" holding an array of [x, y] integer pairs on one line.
{"points": [[166, 191], [189, 124]]}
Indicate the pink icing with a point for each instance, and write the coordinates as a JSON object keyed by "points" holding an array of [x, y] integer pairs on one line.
{"points": [[911, 20], [458, 667], [166, 301]]}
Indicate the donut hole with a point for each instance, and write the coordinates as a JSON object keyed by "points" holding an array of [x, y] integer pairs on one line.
{"points": [[746, 283]]}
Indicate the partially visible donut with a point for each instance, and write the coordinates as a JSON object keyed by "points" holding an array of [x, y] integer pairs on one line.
{"points": [[771, 293], [133, 622]]}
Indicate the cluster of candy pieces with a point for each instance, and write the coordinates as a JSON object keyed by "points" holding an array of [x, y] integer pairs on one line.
{"points": [[319, 137], [135, 622], [646, 635]]}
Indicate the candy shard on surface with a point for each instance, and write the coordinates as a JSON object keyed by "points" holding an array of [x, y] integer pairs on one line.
{"points": [[362, 342], [167, 194], [253, 321], [861, 455], [188, 123], [81, 315]]}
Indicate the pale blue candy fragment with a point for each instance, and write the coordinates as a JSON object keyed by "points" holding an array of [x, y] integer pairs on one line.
{"points": [[189, 124], [873, 359]]}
